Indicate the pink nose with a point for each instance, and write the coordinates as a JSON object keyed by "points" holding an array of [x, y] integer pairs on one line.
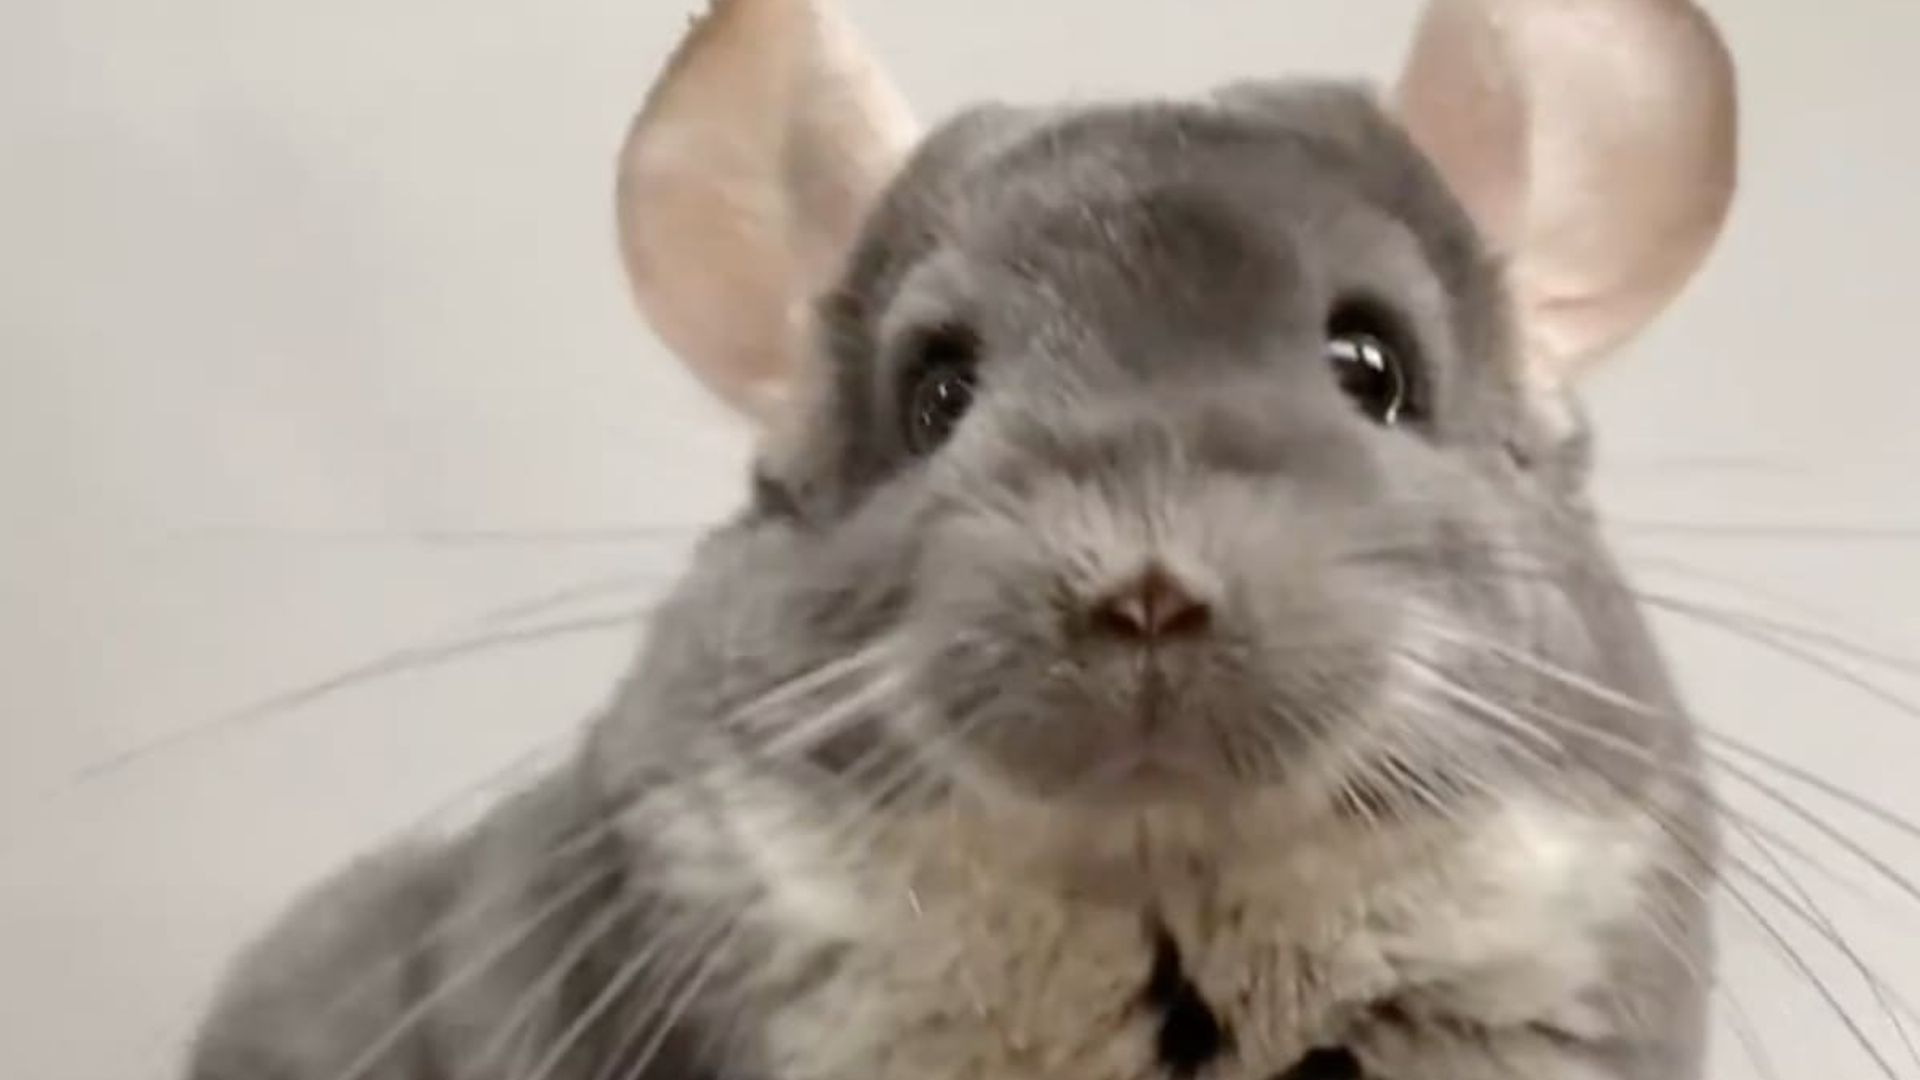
{"points": [[1152, 605]]}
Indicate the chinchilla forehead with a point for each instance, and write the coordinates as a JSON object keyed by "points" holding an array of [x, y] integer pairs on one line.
{"points": [[1165, 230]]}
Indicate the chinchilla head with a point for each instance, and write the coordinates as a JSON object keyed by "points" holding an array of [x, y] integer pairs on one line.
{"points": [[1175, 450]]}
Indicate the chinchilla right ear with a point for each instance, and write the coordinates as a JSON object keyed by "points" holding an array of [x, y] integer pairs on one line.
{"points": [[742, 184], [1595, 144]]}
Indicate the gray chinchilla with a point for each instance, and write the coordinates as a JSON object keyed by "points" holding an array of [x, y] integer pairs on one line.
{"points": [[1167, 637]]}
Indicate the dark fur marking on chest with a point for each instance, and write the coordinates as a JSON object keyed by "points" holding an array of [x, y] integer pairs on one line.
{"points": [[1190, 1036], [1334, 1063]]}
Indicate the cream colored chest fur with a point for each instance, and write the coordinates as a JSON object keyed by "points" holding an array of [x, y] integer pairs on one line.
{"points": [[976, 964]]}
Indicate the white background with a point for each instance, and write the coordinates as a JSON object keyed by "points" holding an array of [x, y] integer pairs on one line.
{"points": [[313, 347]]}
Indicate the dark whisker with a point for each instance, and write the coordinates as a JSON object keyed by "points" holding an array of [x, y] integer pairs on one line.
{"points": [[1799, 962], [1826, 927], [1561, 576], [452, 538], [1759, 531], [1642, 562], [596, 588], [1817, 782], [1610, 696], [1735, 621], [1793, 956], [404, 661], [1615, 462], [1736, 625]]}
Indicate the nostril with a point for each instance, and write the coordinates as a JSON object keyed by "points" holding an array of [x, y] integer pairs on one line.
{"points": [[1151, 605]]}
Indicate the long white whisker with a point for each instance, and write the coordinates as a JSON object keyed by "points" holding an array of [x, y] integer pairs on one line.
{"points": [[568, 961], [663, 1024], [1746, 776], [831, 721], [628, 975], [768, 707], [1883, 993], [410, 1018]]}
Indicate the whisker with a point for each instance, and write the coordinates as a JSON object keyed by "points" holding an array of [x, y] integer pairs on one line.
{"points": [[1794, 957], [404, 661], [1799, 962], [1739, 1019], [1707, 868], [859, 821], [1832, 832], [1746, 776], [1752, 624], [848, 829], [1748, 1035], [453, 918], [1730, 742], [622, 981], [589, 833], [570, 957], [595, 588], [1825, 926], [1559, 576], [1642, 562], [759, 714], [831, 721], [1614, 462], [522, 763], [412, 1016], [674, 1011], [1761, 531], [1819, 783], [1806, 776], [442, 537]]}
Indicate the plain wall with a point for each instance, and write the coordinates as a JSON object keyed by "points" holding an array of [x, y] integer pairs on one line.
{"points": [[314, 352]]}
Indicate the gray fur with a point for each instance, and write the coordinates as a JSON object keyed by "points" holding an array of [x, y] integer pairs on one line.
{"points": [[1343, 856]]}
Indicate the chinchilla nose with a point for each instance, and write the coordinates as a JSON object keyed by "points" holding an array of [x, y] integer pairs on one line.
{"points": [[1151, 605]]}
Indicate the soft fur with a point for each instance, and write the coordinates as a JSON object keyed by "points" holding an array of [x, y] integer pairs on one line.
{"points": [[1333, 854]]}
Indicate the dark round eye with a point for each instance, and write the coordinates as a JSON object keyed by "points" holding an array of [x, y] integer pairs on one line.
{"points": [[1369, 367], [940, 389]]}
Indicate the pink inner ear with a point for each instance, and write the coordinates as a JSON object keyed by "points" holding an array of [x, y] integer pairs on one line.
{"points": [[1463, 102], [851, 129], [742, 183], [698, 216], [1632, 189], [1594, 141]]}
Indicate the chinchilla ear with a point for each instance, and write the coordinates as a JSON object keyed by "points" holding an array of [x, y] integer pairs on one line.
{"points": [[1595, 144], [742, 184]]}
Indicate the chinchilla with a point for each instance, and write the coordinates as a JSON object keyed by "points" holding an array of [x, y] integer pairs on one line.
{"points": [[1166, 636]]}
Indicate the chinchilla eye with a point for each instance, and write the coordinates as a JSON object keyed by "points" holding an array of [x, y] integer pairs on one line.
{"points": [[1372, 369], [940, 387]]}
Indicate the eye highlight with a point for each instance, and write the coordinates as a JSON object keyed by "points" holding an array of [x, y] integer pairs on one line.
{"points": [[1372, 368], [940, 387]]}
